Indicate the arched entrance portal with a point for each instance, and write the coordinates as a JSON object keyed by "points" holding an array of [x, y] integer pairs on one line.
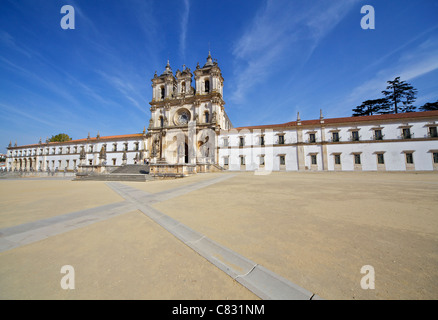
{"points": [[186, 153]]}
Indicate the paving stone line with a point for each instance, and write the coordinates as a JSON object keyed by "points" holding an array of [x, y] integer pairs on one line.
{"points": [[149, 198], [261, 281], [30, 232], [26, 233]]}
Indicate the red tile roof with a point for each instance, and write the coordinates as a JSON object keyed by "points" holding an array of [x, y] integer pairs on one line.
{"points": [[380, 117], [93, 139]]}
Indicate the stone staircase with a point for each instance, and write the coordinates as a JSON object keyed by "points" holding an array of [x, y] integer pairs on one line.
{"points": [[132, 169], [9, 175], [131, 172]]}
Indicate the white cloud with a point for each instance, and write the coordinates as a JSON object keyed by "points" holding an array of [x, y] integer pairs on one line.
{"points": [[412, 64], [282, 31], [10, 42], [17, 111], [184, 26], [125, 87]]}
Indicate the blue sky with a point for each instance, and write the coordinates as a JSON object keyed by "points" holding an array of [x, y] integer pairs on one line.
{"points": [[277, 58]]}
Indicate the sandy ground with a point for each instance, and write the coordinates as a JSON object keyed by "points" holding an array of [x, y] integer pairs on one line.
{"points": [[319, 229], [28, 200], [315, 229], [126, 257]]}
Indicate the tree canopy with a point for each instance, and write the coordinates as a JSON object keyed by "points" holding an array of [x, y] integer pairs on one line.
{"points": [[429, 106], [370, 107], [399, 96], [61, 137]]}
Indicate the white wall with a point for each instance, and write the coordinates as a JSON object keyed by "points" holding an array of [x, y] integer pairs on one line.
{"points": [[393, 146]]}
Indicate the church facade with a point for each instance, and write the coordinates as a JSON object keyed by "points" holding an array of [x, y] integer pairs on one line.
{"points": [[189, 131]]}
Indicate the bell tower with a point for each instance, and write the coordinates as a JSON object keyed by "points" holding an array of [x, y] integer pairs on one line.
{"points": [[163, 85], [186, 120], [209, 78]]}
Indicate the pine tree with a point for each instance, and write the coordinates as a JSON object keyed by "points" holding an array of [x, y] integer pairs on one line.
{"points": [[429, 106], [401, 94], [370, 107]]}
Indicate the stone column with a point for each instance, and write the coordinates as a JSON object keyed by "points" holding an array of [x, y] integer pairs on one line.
{"points": [[300, 150]]}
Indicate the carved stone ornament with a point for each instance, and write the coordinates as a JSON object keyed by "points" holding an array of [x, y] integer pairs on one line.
{"points": [[102, 154], [182, 117], [82, 155]]}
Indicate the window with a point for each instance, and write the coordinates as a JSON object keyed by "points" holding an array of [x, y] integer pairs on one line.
{"points": [[91, 149], [162, 92], [60, 150], [75, 149], [207, 86], [433, 132], [357, 159], [406, 133], [126, 147], [409, 157], [74, 164], [312, 138], [282, 160], [262, 140], [313, 159], [262, 160], [115, 147], [67, 163], [380, 158], [183, 87], [114, 161], [337, 159], [242, 160], [161, 122], [206, 117], [136, 146], [335, 136], [90, 162], [378, 134], [435, 157], [281, 139], [355, 135], [225, 142], [241, 141], [225, 161]]}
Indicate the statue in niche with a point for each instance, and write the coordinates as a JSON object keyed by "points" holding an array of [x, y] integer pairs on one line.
{"points": [[82, 155], [155, 147], [204, 147], [213, 118]]}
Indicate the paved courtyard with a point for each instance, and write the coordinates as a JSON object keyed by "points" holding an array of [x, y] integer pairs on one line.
{"points": [[203, 237]]}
